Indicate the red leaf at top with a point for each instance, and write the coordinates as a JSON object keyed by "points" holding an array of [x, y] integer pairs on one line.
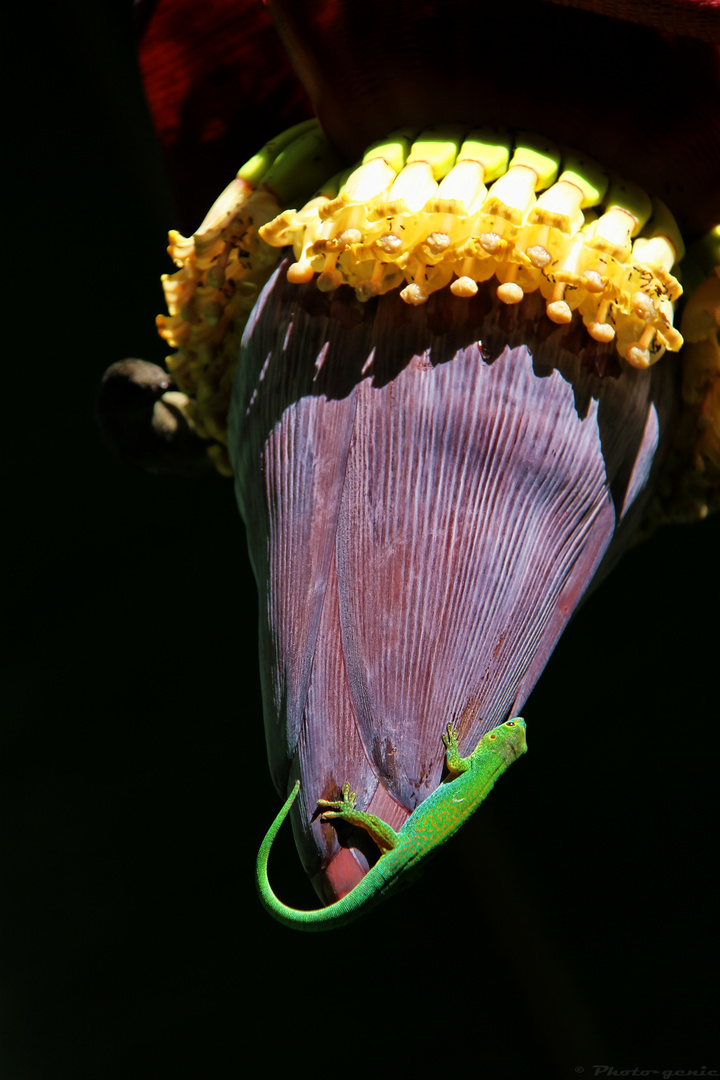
{"points": [[218, 84]]}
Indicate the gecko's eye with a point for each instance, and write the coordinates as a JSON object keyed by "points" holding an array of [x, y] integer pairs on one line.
{"points": [[510, 723]]}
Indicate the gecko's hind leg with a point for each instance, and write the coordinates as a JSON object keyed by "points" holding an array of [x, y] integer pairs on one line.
{"points": [[379, 831]]}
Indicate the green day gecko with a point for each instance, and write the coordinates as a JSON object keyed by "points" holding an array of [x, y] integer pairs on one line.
{"points": [[434, 821]]}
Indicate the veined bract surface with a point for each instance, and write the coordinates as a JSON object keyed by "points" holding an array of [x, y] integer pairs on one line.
{"points": [[428, 492]]}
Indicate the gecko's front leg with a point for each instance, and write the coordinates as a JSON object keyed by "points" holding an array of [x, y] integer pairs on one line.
{"points": [[456, 765]]}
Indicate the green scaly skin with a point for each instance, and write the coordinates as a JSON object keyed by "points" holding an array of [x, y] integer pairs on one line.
{"points": [[429, 826]]}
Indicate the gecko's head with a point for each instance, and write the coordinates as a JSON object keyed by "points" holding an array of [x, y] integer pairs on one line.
{"points": [[508, 739]]}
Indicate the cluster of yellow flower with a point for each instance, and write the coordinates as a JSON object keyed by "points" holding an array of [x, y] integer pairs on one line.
{"points": [[451, 207], [417, 212], [690, 487], [222, 268]]}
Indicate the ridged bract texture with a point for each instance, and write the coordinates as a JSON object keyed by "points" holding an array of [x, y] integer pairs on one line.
{"points": [[428, 493]]}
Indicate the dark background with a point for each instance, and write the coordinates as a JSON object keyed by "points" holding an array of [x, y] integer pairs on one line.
{"points": [[571, 922]]}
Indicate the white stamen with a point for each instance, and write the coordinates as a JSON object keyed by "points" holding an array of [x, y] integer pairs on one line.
{"points": [[464, 286]]}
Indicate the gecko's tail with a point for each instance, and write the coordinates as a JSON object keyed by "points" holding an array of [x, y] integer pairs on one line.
{"points": [[327, 918]]}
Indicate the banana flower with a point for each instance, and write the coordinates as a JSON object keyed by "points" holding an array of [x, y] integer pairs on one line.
{"points": [[433, 340]]}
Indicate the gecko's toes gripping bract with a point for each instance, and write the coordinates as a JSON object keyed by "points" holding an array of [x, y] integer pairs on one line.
{"points": [[446, 375]]}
